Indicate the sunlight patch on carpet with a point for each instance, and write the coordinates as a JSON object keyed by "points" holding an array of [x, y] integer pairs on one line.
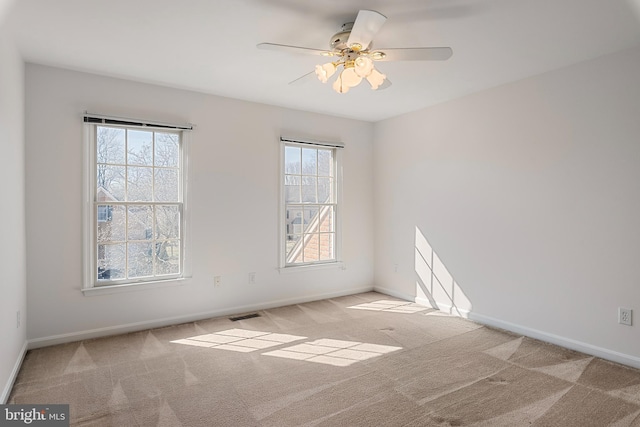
{"points": [[240, 340], [333, 352]]}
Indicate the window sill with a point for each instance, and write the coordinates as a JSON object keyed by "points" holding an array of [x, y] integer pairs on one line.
{"points": [[338, 265], [132, 287]]}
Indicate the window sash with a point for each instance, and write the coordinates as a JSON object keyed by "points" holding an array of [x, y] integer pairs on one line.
{"points": [[151, 238]]}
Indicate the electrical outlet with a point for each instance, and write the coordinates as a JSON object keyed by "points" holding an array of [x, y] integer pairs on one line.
{"points": [[217, 281], [395, 268], [624, 316], [252, 278], [18, 319]]}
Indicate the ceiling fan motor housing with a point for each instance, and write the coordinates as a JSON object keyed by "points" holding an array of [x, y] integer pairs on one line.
{"points": [[339, 40]]}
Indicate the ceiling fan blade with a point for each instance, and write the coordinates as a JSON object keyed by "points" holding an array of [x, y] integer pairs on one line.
{"points": [[303, 78], [293, 49], [414, 54], [366, 26]]}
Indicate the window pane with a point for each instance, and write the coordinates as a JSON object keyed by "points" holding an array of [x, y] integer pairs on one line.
{"points": [[294, 254], [167, 150], [110, 147], [110, 183], [294, 221], [104, 213], [326, 246], [139, 147], [139, 184], [311, 246], [111, 262], [292, 188], [325, 162], [292, 160], [140, 222], [311, 219], [326, 219], [309, 161], [168, 257], [167, 222], [140, 257], [324, 190], [111, 223], [309, 189], [166, 185]]}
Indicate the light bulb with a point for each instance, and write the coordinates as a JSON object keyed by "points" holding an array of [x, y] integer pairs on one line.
{"points": [[325, 71], [363, 66], [350, 78], [375, 79]]}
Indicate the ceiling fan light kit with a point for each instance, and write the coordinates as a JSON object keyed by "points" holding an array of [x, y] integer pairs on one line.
{"points": [[356, 64], [352, 47], [353, 71]]}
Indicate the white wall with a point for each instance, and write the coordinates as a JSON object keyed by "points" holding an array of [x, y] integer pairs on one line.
{"points": [[529, 194], [234, 205], [12, 222]]}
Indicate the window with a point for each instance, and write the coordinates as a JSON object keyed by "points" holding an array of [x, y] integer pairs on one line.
{"points": [[105, 213], [135, 218], [310, 181]]}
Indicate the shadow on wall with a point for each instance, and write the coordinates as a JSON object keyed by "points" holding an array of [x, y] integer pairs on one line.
{"points": [[435, 286]]}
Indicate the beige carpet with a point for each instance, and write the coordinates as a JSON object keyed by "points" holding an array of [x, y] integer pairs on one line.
{"points": [[361, 360]]}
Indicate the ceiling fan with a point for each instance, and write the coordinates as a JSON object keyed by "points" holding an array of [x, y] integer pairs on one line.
{"points": [[352, 52]]}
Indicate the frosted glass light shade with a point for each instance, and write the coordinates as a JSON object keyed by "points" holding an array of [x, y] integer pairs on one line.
{"points": [[350, 78], [363, 66], [325, 71], [339, 85]]}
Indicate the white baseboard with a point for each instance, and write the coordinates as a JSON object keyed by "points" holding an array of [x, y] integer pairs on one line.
{"points": [[569, 343], [14, 374], [450, 309], [158, 323], [593, 350]]}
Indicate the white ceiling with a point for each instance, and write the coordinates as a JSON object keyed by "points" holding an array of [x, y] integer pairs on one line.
{"points": [[210, 45]]}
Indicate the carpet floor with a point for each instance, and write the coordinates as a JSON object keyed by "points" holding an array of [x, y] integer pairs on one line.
{"points": [[360, 360]]}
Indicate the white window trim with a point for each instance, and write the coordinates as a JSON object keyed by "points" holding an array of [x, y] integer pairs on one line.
{"points": [[89, 274], [318, 265]]}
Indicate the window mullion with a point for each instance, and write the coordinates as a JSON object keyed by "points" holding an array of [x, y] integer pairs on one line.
{"points": [[154, 242]]}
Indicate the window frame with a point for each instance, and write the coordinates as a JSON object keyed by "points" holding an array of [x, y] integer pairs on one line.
{"points": [[91, 284], [337, 204]]}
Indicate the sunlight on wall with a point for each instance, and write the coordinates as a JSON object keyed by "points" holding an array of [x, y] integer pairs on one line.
{"points": [[435, 286]]}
